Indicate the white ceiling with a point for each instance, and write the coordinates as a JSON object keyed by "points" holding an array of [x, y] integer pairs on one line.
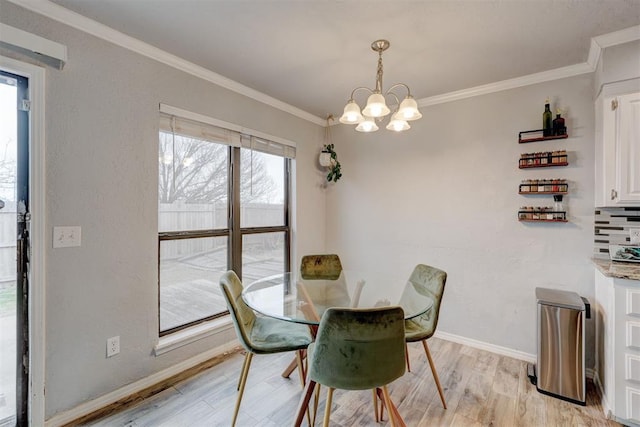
{"points": [[312, 53]]}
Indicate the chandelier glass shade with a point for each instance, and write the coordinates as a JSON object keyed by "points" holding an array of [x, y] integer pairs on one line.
{"points": [[376, 108]]}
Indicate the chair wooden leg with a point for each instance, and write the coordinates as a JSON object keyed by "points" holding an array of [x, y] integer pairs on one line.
{"points": [[316, 400], [294, 363], [301, 371], [243, 382], [406, 356], [303, 405], [303, 377], [244, 367], [433, 371], [375, 404], [380, 395], [290, 368], [387, 400], [394, 415], [327, 409]]}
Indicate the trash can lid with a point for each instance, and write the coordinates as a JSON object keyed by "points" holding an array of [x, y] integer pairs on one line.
{"points": [[556, 297]]}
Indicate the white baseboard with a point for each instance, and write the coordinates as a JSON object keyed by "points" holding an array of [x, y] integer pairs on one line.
{"points": [[121, 393], [606, 407], [503, 351]]}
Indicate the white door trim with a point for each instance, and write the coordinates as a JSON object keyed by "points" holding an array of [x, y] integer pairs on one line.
{"points": [[36, 76]]}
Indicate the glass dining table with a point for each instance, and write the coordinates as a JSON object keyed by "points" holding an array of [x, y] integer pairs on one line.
{"points": [[295, 298]]}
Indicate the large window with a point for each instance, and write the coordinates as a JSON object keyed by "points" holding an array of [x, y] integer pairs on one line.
{"points": [[223, 203]]}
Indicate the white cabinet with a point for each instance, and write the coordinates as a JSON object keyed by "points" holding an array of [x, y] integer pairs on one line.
{"points": [[618, 347], [618, 145]]}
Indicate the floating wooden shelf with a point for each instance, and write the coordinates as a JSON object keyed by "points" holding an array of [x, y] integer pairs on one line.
{"points": [[542, 214], [523, 139], [544, 186], [543, 220], [543, 192], [547, 165]]}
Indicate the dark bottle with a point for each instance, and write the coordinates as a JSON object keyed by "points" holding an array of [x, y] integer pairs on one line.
{"points": [[558, 125], [547, 124]]}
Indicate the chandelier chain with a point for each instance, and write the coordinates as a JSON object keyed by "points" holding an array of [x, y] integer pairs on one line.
{"points": [[379, 75]]}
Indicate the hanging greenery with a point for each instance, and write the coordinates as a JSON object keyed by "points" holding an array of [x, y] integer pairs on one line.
{"points": [[335, 172]]}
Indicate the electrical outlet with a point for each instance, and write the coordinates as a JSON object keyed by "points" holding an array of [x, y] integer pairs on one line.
{"points": [[634, 236], [113, 346]]}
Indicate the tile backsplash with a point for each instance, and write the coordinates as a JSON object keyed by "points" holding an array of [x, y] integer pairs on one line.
{"points": [[612, 227]]}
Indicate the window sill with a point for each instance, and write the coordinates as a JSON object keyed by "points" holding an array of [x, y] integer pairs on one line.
{"points": [[193, 334]]}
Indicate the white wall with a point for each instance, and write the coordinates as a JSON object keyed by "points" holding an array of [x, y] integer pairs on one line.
{"points": [[445, 194], [101, 173]]}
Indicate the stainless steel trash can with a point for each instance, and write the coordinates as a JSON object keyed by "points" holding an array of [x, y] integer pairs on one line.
{"points": [[560, 369]]}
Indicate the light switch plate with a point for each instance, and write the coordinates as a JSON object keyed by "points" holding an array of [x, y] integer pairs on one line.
{"points": [[634, 236], [67, 237]]}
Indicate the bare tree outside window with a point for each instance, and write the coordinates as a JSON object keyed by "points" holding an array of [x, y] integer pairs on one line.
{"points": [[195, 171]]}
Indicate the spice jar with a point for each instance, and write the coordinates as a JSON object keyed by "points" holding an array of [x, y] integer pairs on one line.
{"points": [[563, 156]]}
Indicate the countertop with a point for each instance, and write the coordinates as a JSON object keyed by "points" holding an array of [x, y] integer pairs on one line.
{"points": [[619, 270]]}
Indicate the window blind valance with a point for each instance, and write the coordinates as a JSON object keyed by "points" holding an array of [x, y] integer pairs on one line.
{"points": [[181, 122], [267, 146], [198, 130]]}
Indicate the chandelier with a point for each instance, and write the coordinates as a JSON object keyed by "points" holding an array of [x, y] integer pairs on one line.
{"points": [[376, 108]]}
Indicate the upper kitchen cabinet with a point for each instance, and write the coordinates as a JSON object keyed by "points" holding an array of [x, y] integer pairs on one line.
{"points": [[618, 145]]}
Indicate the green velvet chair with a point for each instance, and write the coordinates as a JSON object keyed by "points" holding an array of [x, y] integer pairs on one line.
{"points": [[334, 292], [316, 267], [428, 281], [356, 349], [260, 335]]}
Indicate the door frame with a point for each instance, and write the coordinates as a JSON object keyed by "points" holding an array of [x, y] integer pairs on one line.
{"points": [[36, 76]]}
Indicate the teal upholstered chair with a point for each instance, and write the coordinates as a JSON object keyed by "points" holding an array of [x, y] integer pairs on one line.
{"points": [[260, 335], [356, 349], [428, 281]]}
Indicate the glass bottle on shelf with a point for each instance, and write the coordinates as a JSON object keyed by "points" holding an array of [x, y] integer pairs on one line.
{"points": [[547, 117], [558, 209], [558, 124]]}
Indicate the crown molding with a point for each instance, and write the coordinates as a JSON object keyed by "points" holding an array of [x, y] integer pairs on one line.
{"points": [[611, 39], [618, 37], [595, 50], [82, 23], [544, 76]]}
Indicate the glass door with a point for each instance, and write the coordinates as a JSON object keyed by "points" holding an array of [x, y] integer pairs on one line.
{"points": [[14, 240]]}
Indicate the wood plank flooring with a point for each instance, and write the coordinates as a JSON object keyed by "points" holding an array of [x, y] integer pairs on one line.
{"points": [[481, 389]]}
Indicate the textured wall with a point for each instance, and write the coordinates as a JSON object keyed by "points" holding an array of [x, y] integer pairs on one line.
{"points": [[445, 193], [101, 173]]}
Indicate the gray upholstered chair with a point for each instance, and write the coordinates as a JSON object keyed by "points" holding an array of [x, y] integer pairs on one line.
{"points": [[428, 281], [356, 349], [260, 335]]}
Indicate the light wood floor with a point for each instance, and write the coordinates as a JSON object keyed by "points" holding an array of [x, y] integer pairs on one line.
{"points": [[481, 388]]}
